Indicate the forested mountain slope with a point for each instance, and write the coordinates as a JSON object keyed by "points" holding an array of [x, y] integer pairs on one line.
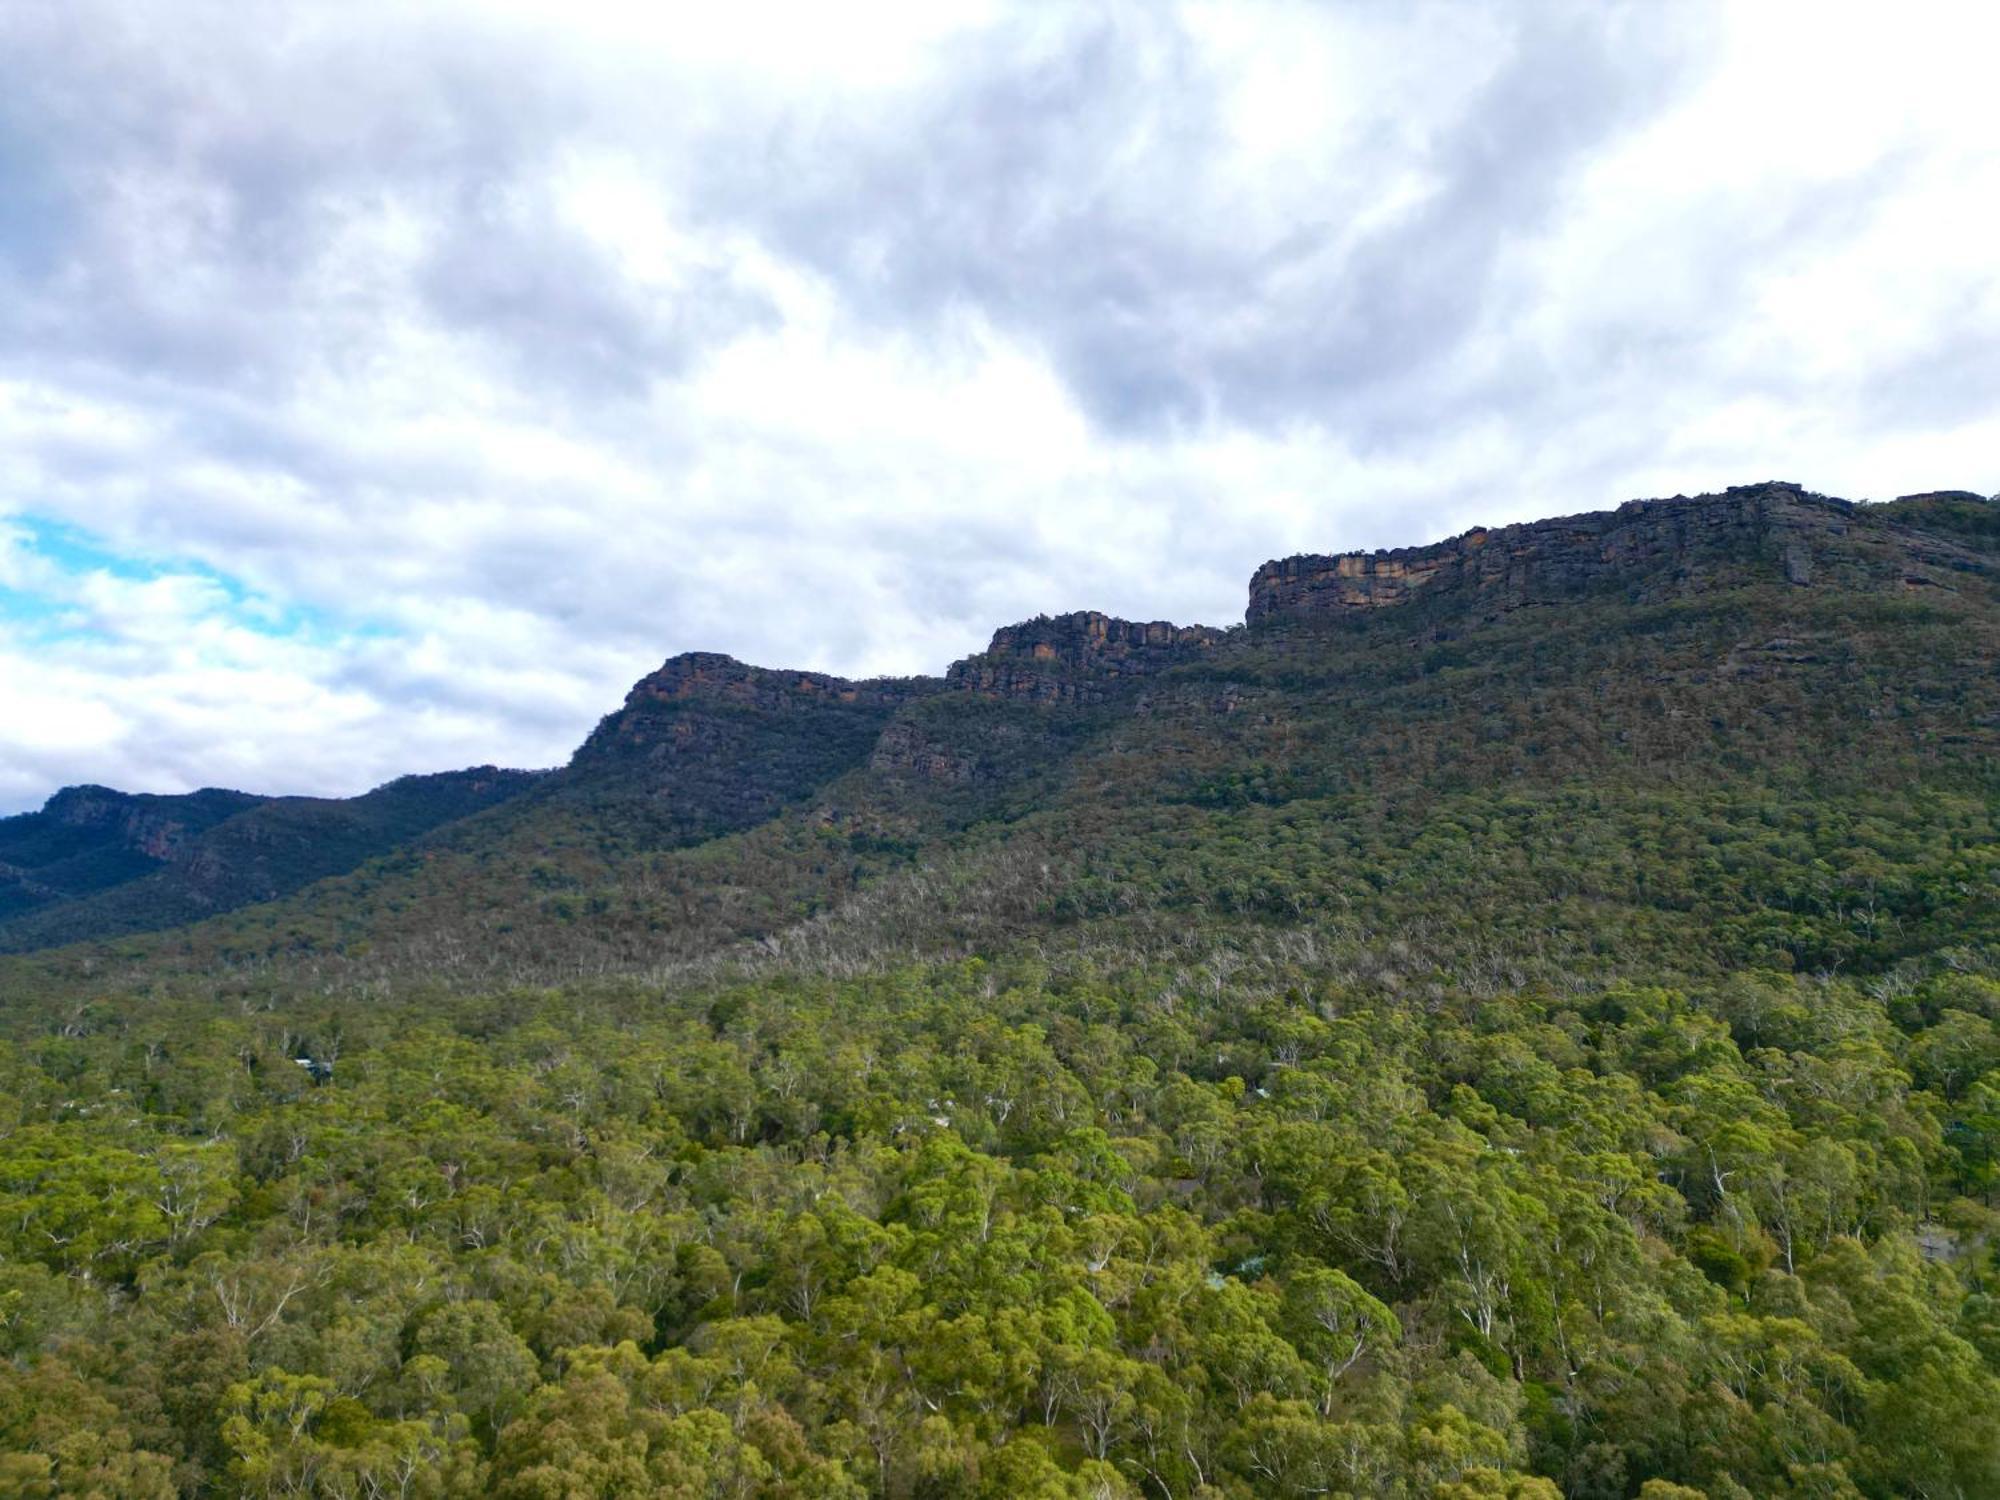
{"points": [[1518, 1017], [1578, 698], [95, 862], [88, 839]]}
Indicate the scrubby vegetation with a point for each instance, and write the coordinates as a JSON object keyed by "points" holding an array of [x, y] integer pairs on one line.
{"points": [[96, 862], [1428, 1054]]}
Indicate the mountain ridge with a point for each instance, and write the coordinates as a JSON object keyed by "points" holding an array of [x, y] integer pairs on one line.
{"points": [[1688, 539], [707, 747], [101, 862]]}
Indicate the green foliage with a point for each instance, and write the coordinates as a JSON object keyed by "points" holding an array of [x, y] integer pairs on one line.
{"points": [[96, 862], [963, 1229], [1422, 1055]]}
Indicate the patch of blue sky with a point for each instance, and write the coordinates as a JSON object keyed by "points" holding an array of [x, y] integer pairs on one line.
{"points": [[59, 554], [27, 608]]}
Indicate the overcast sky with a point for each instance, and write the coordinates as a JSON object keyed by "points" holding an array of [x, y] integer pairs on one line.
{"points": [[385, 387]]}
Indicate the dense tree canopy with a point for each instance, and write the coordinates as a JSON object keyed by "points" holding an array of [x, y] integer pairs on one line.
{"points": [[1437, 1056], [999, 1228]]}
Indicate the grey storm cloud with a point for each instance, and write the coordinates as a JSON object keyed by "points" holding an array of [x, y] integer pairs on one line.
{"points": [[512, 347]]}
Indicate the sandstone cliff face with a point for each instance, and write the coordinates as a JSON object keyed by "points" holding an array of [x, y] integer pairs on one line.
{"points": [[707, 743], [1655, 548], [986, 729], [710, 677], [1077, 658]]}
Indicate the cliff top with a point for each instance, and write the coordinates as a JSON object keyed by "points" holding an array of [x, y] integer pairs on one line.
{"points": [[1776, 529]]}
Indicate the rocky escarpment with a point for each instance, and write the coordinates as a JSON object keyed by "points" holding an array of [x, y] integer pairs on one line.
{"points": [[989, 727], [712, 678], [1652, 548], [707, 743], [1077, 657]]}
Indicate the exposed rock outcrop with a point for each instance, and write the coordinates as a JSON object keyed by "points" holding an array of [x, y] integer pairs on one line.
{"points": [[1064, 661], [1077, 657], [707, 743], [710, 677], [1653, 548]]}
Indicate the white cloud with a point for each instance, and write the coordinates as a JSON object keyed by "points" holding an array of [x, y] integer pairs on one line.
{"points": [[519, 346]]}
